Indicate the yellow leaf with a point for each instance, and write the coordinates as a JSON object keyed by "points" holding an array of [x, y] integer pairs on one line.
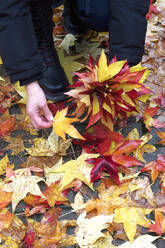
{"points": [[95, 104], [20, 185], [131, 217], [138, 67], [2, 79], [107, 72], [53, 145], [62, 125], [143, 98], [75, 169], [107, 108], [21, 90], [4, 164], [1, 62], [69, 64], [127, 99], [86, 99]]}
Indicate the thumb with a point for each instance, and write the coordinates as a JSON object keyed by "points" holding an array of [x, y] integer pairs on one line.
{"points": [[47, 113]]}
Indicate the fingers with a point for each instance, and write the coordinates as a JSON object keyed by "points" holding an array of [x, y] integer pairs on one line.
{"points": [[38, 120], [47, 113]]}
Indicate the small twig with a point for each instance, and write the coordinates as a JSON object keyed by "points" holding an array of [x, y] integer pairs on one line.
{"points": [[143, 216], [74, 155]]}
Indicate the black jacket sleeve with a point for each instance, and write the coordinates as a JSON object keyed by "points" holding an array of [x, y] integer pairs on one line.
{"points": [[18, 45], [127, 29]]}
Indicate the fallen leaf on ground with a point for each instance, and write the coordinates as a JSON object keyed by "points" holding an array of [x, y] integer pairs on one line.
{"points": [[7, 126], [4, 164], [53, 195], [49, 147], [155, 167], [21, 90], [159, 226], [89, 230], [20, 186], [143, 147], [131, 217], [75, 169], [143, 241], [5, 198], [162, 137]]}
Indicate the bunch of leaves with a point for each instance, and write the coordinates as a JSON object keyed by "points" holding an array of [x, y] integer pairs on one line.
{"points": [[109, 91]]}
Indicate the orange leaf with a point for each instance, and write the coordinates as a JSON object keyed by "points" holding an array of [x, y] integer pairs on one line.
{"points": [[159, 226], [5, 198], [162, 136], [147, 116], [155, 167], [5, 219], [7, 126]]}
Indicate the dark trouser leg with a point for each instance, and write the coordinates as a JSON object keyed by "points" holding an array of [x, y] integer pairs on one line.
{"points": [[54, 80], [127, 29], [18, 46], [81, 15]]}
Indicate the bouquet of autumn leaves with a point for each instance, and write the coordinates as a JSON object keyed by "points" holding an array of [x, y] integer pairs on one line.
{"points": [[105, 93]]}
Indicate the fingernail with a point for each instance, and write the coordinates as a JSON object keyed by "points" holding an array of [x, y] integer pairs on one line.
{"points": [[51, 118]]}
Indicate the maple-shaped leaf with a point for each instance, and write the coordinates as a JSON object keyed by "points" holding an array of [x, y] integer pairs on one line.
{"points": [[54, 195], [99, 141], [75, 169], [50, 146], [159, 226], [104, 164], [162, 136], [20, 185], [143, 241], [69, 64], [89, 230], [143, 147], [155, 167], [131, 217], [149, 121], [111, 163], [62, 125], [109, 91]]}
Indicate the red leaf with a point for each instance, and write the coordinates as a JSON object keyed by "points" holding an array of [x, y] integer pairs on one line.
{"points": [[55, 107], [104, 164], [152, 9], [29, 239]]}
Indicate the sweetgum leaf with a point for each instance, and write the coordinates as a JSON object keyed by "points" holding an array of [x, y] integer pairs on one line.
{"points": [[104, 164]]}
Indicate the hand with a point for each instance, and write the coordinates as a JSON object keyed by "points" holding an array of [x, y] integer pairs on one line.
{"points": [[37, 108]]}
